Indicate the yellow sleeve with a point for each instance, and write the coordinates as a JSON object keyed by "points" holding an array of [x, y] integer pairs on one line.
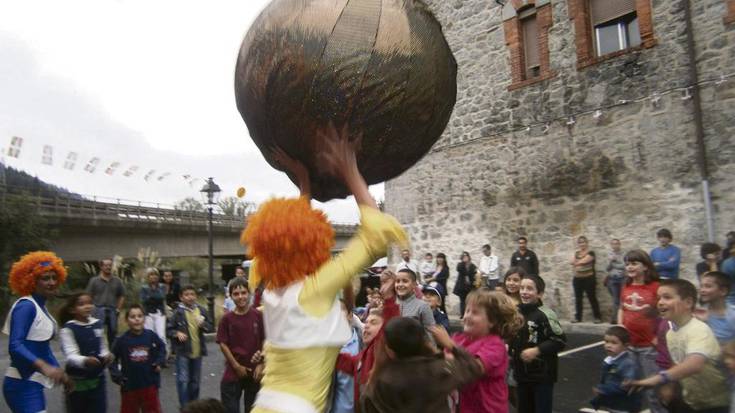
{"points": [[377, 231]]}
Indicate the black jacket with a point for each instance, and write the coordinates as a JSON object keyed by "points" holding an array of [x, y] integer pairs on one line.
{"points": [[527, 261], [541, 329], [177, 323], [465, 279]]}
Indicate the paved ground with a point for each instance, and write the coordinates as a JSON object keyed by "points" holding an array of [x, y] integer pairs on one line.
{"points": [[577, 374]]}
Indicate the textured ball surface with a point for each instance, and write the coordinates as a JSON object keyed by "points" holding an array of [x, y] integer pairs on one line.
{"points": [[383, 66]]}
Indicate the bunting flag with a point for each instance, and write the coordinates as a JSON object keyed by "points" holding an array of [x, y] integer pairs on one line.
{"points": [[15, 145], [112, 168], [92, 165], [149, 175], [48, 154], [71, 160], [164, 176], [132, 170]]}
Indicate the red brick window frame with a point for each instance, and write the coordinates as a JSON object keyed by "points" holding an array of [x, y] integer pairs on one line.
{"points": [[514, 12], [730, 16], [580, 13]]}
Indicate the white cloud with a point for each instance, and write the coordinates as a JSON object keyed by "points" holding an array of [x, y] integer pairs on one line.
{"points": [[140, 83]]}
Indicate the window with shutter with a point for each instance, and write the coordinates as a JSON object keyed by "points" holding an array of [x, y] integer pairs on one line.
{"points": [[615, 25], [531, 45]]}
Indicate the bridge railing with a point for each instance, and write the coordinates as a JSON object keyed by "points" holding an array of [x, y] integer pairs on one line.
{"points": [[69, 205]]}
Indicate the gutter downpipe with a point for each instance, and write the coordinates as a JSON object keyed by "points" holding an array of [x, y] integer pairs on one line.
{"points": [[698, 122]]}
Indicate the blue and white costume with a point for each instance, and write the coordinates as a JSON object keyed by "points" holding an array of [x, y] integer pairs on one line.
{"points": [[31, 329]]}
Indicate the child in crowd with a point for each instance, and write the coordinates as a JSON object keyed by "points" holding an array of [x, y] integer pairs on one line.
{"points": [[410, 377], [490, 318], [434, 299], [728, 358], [617, 368], [87, 355], [427, 267], [638, 315], [240, 336], [694, 351], [139, 354], [343, 391], [186, 329], [361, 365], [512, 283], [534, 349], [375, 301], [410, 305], [153, 299], [719, 316]]}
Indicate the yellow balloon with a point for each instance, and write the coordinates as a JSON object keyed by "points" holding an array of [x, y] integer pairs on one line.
{"points": [[240, 192]]}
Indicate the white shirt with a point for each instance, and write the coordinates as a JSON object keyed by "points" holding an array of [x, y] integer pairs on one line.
{"points": [[428, 268], [489, 266]]}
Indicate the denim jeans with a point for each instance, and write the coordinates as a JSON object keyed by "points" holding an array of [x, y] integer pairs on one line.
{"points": [[615, 286], [188, 375], [108, 316], [645, 359], [230, 394]]}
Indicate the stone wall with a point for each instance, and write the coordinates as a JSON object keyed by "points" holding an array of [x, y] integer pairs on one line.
{"points": [[625, 174]]}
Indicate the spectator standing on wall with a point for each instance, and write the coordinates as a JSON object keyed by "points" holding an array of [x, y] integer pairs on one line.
{"points": [[585, 281], [615, 278], [466, 273], [711, 254], [427, 268], [729, 243], [108, 296], [489, 267], [666, 257], [525, 258]]}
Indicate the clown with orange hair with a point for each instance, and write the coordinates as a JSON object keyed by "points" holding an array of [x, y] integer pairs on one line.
{"points": [[36, 278], [290, 243]]}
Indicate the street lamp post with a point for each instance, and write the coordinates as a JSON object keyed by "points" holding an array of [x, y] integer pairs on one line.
{"points": [[210, 191]]}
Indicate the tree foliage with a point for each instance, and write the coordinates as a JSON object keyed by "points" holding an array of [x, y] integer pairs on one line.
{"points": [[22, 230], [235, 207], [190, 204]]}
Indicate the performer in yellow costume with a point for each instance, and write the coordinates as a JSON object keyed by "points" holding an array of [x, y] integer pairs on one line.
{"points": [[290, 244]]}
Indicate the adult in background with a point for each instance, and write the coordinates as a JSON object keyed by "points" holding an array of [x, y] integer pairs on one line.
{"points": [[525, 258], [33, 367], [489, 267], [172, 288], [407, 262], [615, 278], [711, 254], [466, 273], [666, 257], [729, 244], [439, 279], [585, 281], [108, 296], [153, 299], [728, 267]]}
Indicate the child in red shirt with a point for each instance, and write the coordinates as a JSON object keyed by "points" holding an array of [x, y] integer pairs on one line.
{"points": [[490, 318], [240, 336], [638, 314]]}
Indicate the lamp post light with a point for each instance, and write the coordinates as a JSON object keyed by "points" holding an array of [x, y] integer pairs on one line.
{"points": [[210, 192]]}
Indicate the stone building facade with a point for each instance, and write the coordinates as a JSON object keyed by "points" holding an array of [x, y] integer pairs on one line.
{"points": [[527, 152]]}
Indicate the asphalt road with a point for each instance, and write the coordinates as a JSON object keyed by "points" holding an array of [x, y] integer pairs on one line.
{"points": [[578, 372]]}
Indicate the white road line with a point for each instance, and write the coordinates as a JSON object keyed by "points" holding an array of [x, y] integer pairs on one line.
{"points": [[575, 350]]}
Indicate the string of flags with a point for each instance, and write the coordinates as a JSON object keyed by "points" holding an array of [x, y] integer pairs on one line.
{"points": [[569, 120], [74, 159]]}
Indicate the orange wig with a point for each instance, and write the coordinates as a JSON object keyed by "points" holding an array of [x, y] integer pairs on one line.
{"points": [[25, 272], [288, 239]]}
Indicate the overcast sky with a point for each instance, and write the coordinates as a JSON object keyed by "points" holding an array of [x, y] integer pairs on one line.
{"points": [[141, 83]]}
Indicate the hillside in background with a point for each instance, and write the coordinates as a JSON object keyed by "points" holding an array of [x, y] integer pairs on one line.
{"points": [[17, 181]]}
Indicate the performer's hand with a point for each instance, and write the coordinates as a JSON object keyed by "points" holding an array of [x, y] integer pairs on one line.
{"points": [[336, 153], [295, 167]]}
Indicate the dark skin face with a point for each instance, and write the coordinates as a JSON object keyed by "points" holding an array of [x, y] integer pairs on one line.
{"points": [[47, 284]]}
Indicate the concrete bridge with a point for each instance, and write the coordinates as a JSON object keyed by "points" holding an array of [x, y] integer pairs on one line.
{"points": [[88, 228]]}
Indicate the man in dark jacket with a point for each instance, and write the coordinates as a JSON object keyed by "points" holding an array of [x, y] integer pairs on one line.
{"points": [[525, 258]]}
